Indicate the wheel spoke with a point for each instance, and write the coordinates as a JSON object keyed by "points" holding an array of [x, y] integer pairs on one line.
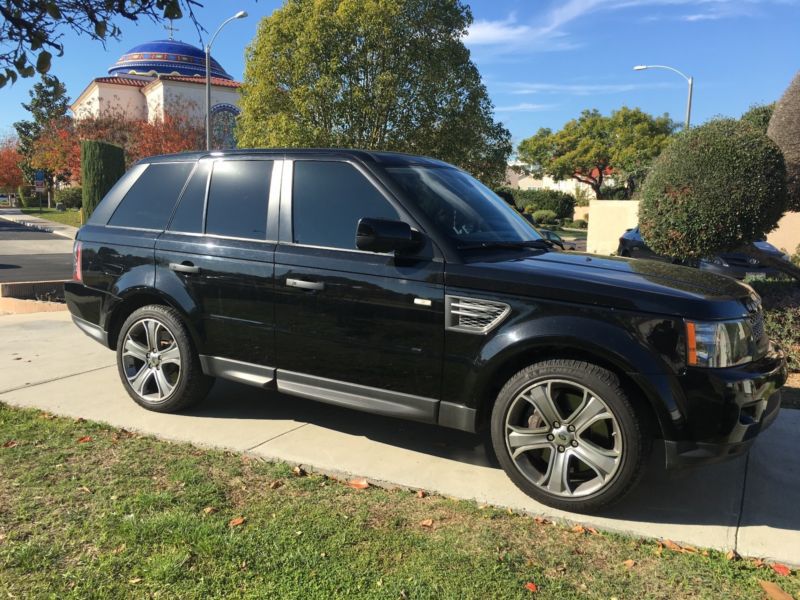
{"points": [[588, 413], [555, 479], [172, 355], [541, 398], [600, 460], [151, 331], [521, 439], [135, 349], [164, 386], [139, 380]]}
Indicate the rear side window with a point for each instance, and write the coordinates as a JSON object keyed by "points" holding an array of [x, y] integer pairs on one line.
{"points": [[238, 198], [328, 200], [189, 214], [149, 203]]}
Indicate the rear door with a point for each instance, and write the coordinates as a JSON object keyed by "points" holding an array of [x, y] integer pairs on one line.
{"points": [[217, 256], [353, 326]]}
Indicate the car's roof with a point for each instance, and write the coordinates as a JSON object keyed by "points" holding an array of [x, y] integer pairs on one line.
{"points": [[374, 156]]}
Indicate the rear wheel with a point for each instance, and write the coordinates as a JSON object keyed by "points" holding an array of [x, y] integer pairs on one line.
{"points": [[566, 434], [157, 362]]}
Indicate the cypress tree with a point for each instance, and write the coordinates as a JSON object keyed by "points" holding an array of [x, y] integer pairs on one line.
{"points": [[102, 165], [784, 129]]}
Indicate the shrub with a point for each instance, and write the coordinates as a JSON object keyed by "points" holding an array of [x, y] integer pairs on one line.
{"points": [[781, 301], [758, 115], [101, 166], [613, 192], [562, 204], [784, 130], [796, 256], [26, 199], [72, 197], [716, 187], [506, 194], [580, 224], [582, 196], [544, 217]]}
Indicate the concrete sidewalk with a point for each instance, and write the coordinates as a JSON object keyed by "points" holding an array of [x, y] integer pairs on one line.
{"points": [[749, 505], [17, 216]]}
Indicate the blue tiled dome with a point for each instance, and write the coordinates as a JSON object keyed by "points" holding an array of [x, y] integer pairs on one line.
{"points": [[166, 57]]}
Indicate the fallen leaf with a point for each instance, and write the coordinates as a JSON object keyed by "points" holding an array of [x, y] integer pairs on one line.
{"points": [[540, 520], [82, 420], [732, 555], [531, 587], [236, 522], [670, 545], [592, 530], [629, 563], [578, 529], [358, 484], [420, 494], [758, 563], [135, 580], [46, 415], [426, 523], [208, 510], [275, 484], [690, 550], [659, 549], [774, 591], [299, 471], [780, 569], [85, 489], [85, 439], [10, 444]]}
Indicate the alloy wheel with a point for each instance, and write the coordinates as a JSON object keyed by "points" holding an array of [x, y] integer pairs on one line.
{"points": [[563, 438], [151, 360]]}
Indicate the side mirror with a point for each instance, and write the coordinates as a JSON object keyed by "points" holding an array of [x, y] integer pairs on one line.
{"points": [[381, 235]]}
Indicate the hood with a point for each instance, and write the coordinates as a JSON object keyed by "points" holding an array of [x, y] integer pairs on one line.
{"points": [[623, 283]]}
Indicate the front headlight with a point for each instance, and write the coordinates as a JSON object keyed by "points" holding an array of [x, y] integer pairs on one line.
{"points": [[720, 344]]}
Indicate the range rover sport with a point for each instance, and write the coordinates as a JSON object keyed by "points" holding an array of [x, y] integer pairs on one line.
{"points": [[402, 286]]}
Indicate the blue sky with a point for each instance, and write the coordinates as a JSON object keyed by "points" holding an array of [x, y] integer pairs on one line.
{"points": [[544, 61]]}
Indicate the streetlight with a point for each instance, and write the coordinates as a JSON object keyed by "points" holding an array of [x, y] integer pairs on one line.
{"points": [[689, 80], [239, 15]]}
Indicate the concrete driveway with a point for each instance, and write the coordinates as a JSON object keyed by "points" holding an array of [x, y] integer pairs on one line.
{"points": [[749, 505]]}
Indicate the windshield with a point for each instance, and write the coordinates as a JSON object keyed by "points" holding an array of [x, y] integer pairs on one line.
{"points": [[461, 207]]}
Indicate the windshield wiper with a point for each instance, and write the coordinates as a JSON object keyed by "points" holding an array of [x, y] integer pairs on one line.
{"points": [[540, 244]]}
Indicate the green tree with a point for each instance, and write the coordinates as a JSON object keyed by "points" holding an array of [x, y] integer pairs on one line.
{"points": [[374, 74], [784, 130], [48, 103], [593, 146], [758, 115], [716, 188], [32, 29], [101, 166]]}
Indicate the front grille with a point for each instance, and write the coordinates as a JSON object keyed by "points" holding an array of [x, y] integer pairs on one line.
{"points": [[473, 315], [757, 324]]}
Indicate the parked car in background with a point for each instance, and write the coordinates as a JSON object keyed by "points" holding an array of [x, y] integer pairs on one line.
{"points": [[733, 264], [400, 285]]}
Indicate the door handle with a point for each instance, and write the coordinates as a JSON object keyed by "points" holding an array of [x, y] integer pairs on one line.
{"points": [[185, 267], [305, 285]]}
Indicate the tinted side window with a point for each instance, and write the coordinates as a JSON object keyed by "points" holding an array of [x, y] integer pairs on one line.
{"points": [[149, 203], [328, 200], [238, 197], [189, 215]]}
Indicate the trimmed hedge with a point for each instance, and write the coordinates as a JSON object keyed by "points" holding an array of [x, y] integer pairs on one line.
{"points": [[72, 197], [781, 301], [784, 130], [561, 203], [544, 216], [102, 165], [713, 188]]}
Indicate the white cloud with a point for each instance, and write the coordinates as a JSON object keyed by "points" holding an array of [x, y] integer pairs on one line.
{"points": [[524, 107], [483, 32], [579, 89]]}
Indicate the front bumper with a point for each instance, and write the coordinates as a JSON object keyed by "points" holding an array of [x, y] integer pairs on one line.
{"points": [[727, 409]]}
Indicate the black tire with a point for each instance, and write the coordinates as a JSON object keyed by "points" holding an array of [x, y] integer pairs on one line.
{"points": [[190, 385], [632, 426]]}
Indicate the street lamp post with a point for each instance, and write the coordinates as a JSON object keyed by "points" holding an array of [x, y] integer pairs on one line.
{"points": [[239, 15], [689, 80]]}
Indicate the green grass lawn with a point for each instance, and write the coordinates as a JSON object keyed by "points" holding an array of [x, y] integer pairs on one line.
{"points": [[89, 511], [68, 217]]}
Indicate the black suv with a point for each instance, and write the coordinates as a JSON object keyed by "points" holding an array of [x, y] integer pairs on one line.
{"points": [[402, 286]]}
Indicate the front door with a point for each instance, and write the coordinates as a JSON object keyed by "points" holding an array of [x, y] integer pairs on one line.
{"points": [[216, 252], [359, 326]]}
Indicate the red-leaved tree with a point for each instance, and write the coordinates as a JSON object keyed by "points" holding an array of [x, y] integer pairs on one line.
{"points": [[10, 159]]}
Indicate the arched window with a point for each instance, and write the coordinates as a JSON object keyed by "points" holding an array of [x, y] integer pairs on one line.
{"points": [[223, 126]]}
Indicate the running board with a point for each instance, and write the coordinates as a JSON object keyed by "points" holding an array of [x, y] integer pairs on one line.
{"points": [[236, 370]]}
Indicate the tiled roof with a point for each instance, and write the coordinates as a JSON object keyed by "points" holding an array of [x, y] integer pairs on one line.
{"points": [[143, 82]]}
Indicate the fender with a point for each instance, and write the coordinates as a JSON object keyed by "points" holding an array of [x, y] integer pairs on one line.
{"points": [[619, 343]]}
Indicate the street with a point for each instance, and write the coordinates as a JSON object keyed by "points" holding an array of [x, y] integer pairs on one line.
{"points": [[28, 254]]}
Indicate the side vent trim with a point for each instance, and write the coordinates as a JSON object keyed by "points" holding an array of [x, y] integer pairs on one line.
{"points": [[473, 315]]}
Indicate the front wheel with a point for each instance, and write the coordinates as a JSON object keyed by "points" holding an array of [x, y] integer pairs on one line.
{"points": [[157, 362], [567, 435]]}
